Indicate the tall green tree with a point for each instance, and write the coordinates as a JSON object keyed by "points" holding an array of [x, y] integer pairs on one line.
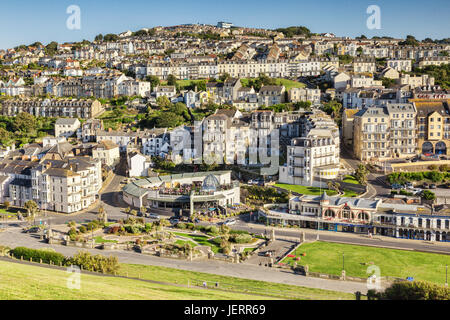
{"points": [[24, 122]]}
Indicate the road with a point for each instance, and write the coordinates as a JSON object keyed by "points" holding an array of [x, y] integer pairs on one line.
{"points": [[376, 184]]}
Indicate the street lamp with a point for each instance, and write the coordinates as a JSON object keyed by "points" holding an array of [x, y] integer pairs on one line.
{"points": [[343, 261]]}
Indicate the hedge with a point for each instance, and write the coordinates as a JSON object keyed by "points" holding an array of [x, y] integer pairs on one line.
{"points": [[401, 177], [37, 255], [417, 290]]}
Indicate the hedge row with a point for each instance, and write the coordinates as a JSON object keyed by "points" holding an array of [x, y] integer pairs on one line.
{"points": [[401, 177], [46, 256]]}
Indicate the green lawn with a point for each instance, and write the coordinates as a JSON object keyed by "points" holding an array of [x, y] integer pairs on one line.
{"points": [[314, 191], [326, 257], [99, 239], [289, 84], [182, 243], [350, 179], [201, 240], [350, 194], [232, 283], [24, 282]]}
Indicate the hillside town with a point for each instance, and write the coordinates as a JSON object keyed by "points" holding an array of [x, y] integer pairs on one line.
{"points": [[281, 134]]}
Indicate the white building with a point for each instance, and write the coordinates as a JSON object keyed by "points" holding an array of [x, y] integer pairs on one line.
{"points": [[66, 127]]}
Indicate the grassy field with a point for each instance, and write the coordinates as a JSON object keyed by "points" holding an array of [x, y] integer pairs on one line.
{"points": [[24, 282], [326, 257], [289, 84], [29, 282], [201, 240], [232, 283], [314, 191], [285, 82]]}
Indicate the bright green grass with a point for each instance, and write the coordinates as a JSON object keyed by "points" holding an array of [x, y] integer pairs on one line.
{"points": [[350, 179], [350, 194], [289, 84], [314, 191], [99, 239], [326, 257], [182, 243], [231, 283], [201, 240], [24, 282]]}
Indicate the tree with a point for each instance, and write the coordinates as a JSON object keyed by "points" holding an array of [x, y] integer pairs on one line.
{"points": [[334, 186], [24, 122], [428, 195], [6, 204], [361, 174], [99, 37], [154, 81], [163, 102], [224, 76], [51, 48], [32, 208], [169, 120], [410, 41], [5, 137], [171, 80]]}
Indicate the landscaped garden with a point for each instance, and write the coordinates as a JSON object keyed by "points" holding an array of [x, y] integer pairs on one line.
{"points": [[326, 257], [200, 240]]}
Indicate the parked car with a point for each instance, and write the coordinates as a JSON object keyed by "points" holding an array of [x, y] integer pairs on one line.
{"points": [[396, 186], [32, 230], [426, 186], [174, 222], [153, 216], [433, 186], [230, 222], [409, 185]]}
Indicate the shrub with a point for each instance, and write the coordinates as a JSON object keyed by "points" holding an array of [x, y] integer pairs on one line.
{"points": [[190, 226], [95, 263], [181, 225], [443, 168], [83, 229], [114, 229], [241, 238], [213, 230], [36, 255], [433, 167], [417, 290]]}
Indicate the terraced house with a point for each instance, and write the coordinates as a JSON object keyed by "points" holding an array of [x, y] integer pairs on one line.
{"points": [[55, 108]]}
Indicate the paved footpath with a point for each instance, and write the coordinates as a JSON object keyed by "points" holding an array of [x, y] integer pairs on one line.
{"points": [[14, 238]]}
